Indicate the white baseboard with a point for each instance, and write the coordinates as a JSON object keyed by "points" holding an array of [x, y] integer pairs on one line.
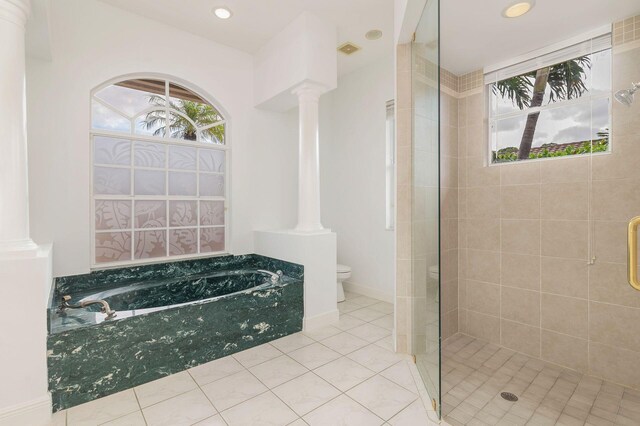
{"points": [[368, 291], [322, 320], [33, 413]]}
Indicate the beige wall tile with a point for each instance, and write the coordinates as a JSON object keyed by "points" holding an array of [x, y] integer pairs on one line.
{"points": [[462, 320], [608, 283], [521, 236], [567, 277], [476, 141], [483, 202], [614, 325], [520, 202], [565, 238], [565, 315], [479, 174], [520, 270], [525, 173], [616, 199], [483, 326], [564, 350], [562, 202], [483, 234], [483, 265], [564, 170], [611, 241], [483, 297], [521, 306], [621, 163], [614, 364], [520, 337]]}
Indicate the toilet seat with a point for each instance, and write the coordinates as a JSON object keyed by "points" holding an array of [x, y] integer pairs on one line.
{"points": [[343, 269]]}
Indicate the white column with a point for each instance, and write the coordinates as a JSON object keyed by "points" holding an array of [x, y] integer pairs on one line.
{"points": [[308, 160], [14, 195]]}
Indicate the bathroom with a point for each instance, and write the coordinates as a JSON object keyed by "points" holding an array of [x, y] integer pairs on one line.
{"points": [[324, 217]]}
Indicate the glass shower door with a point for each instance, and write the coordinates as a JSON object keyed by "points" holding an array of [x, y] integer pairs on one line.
{"points": [[425, 77]]}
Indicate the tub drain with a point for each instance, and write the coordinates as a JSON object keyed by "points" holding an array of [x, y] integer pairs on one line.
{"points": [[509, 396]]}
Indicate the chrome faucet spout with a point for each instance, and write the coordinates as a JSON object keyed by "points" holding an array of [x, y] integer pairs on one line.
{"points": [[274, 276], [106, 309]]}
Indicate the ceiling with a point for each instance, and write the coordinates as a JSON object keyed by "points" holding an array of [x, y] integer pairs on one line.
{"points": [[254, 22], [473, 33]]}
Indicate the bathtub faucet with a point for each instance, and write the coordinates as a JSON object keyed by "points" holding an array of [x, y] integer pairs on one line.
{"points": [[106, 309], [275, 276]]}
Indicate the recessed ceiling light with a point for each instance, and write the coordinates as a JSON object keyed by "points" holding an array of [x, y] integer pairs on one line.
{"points": [[518, 9], [222, 12], [373, 35]]}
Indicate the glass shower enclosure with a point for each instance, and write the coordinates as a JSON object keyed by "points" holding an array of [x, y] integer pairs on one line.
{"points": [[426, 200]]}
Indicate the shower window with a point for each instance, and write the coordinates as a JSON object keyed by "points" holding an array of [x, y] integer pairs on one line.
{"points": [[159, 168], [554, 105]]}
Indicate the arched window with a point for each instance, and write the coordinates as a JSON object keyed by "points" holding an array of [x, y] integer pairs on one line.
{"points": [[159, 162]]}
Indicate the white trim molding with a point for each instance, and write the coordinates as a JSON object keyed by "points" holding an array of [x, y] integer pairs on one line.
{"points": [[362, 290], [36, 412], [322, 320]]}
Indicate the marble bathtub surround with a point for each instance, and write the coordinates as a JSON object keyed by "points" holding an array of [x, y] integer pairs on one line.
{"points": [[93, 361], [267, 385]]}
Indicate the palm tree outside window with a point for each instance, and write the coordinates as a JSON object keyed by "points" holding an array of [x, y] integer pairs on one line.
{"points": [[557, 110]]}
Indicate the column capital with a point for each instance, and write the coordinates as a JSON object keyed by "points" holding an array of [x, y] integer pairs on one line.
{"points": [[309, 91], [15, 11]]}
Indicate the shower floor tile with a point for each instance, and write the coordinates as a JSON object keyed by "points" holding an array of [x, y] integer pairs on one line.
{"points": [[474, 373], [332, 376]]}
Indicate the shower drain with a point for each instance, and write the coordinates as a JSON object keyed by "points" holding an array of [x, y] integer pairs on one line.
{"points": [[509, 396]]}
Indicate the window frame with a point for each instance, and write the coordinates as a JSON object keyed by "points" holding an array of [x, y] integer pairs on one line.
{"points": [[390, 165], [589, 98], [166, 141]]}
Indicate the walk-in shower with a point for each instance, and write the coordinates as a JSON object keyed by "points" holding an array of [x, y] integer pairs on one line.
{"points": [[521, 264]]}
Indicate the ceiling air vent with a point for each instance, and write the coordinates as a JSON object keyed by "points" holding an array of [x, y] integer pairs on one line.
{"points": [[348, 48]]}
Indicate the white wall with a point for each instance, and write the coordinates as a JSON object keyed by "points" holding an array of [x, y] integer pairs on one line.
{"points": [[352, 167], [93, 42]]}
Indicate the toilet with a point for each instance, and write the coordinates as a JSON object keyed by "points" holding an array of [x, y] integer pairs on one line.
{"points": [[434, 272], [343, 273]]}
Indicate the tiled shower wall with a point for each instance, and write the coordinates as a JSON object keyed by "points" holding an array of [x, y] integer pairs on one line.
{"points": [[417, 209], [542, 245]]}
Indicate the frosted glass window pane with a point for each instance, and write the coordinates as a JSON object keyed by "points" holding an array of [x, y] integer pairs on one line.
{"points": [[211, 185], [182, 183], [151, 214], [212, 160], [112, 214], [131, 96], [149, 182], [105, 119], [211, 240], [182, 213], [107, 180], [111, 151], [113, 246], [149, 154], [183, 241], [151, 123], [150, 244], [211, 212], [213, 135], [182, 157]]}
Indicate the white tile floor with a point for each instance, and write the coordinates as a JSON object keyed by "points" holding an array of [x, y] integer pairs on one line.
{"points": [[342, 375]]}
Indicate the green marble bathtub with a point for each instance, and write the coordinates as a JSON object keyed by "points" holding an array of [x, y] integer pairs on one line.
{"points": [[169, 317]]}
